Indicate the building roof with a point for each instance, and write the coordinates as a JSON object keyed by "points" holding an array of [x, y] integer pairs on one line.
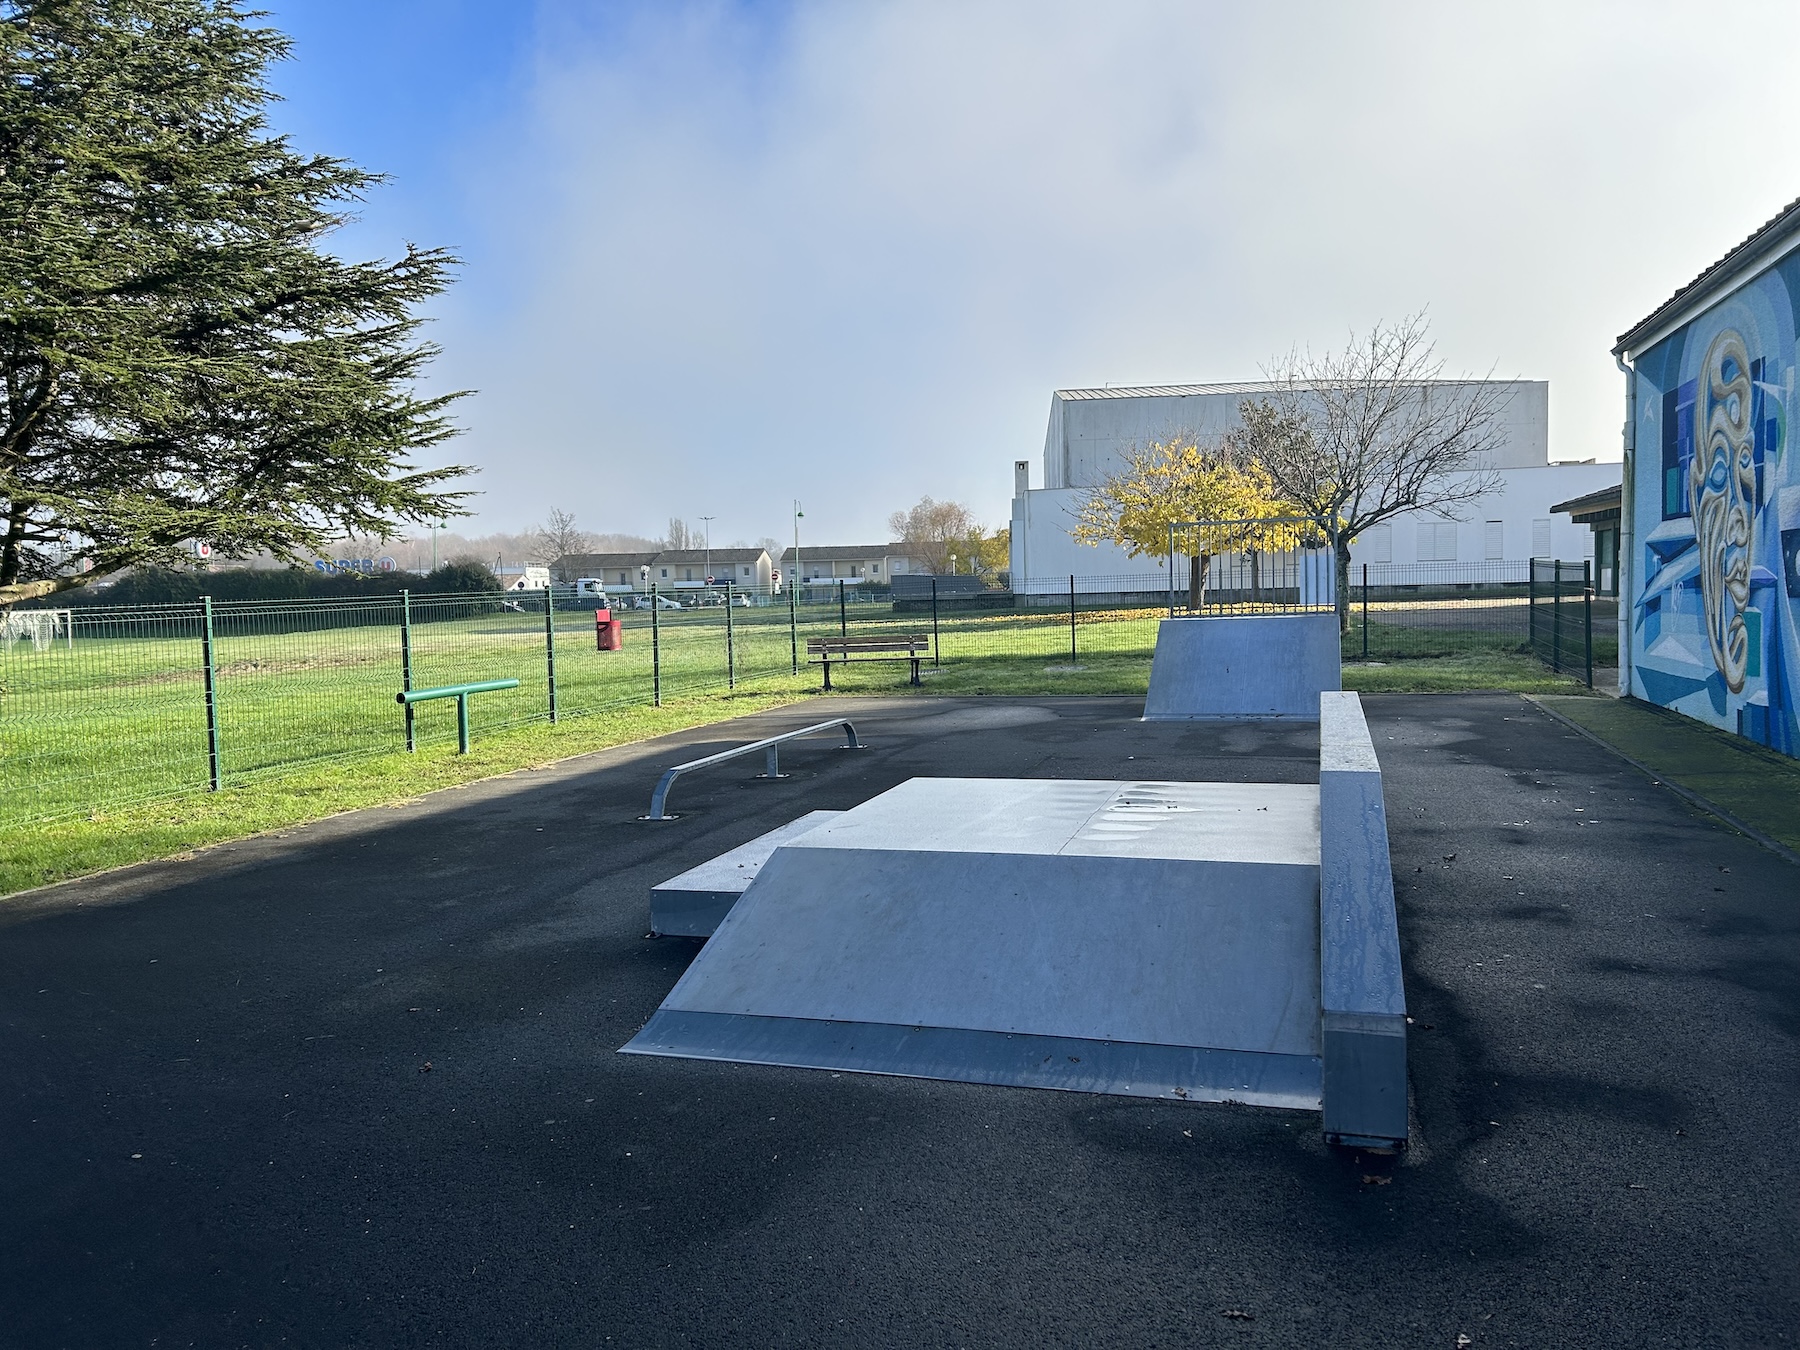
{"points": [[1768, 241], [596, 562], [848, 552], [1241, 388], [1601, 505]]}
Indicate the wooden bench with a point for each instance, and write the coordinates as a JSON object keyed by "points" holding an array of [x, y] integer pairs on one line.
{"points": [[912, 647]]}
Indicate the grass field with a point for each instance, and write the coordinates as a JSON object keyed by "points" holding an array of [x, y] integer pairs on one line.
{"points": [[105, 752]]}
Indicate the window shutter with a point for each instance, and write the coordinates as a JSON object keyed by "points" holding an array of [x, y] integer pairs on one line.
{"points": [[1540, 539], [1437, 541], [1381, 543], [1496, 540]]}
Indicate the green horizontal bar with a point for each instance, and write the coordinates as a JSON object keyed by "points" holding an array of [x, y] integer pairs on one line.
{"points": [[453, 691]]}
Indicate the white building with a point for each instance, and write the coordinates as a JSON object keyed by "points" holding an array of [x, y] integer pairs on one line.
{"points": [[1092, 431], [848, 564], [672, 569]]}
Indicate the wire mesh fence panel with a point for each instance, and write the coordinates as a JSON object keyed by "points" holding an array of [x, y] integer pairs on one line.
{"points": [[590, 679], [113, 712], [300, 681], [103, 706], [461, 639], [1561, 616]]}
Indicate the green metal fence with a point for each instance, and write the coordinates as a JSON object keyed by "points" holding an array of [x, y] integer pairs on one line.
{"points": [[104, 706], [1561, 599]]}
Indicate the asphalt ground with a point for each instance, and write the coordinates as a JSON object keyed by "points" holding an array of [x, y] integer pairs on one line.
{"points": [[356, 1084]]}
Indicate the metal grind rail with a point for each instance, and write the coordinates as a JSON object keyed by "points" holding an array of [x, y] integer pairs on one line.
{"points": [[659, 799], [460, 692]]}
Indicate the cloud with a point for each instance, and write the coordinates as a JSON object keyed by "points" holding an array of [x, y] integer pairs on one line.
{"points": [[843, 252]]}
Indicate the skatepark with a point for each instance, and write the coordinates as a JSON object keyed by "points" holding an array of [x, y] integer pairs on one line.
{"points": [[359, 1083]]}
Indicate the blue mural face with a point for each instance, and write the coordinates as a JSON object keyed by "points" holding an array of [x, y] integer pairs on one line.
{"points": [[1716, 517]]}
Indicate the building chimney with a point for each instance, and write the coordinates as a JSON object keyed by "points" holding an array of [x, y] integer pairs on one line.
{"points": [[1021, 477]]}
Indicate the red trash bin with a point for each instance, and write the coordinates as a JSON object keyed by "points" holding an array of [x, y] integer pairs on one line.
{"points": [[608, 632]]}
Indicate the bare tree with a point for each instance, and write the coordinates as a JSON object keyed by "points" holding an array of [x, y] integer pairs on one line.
{"points": [[1356, 437], [558, 537], [681, 535], [932, 531]]}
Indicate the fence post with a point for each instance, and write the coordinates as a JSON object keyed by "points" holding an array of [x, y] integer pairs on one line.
{"points": [[730, 644], [936, 659], [1556, 615], [655, 647], [1071, 620], [1171, 561], [793, 628], [550, 644], [1587, 619], [843, 621], [406, 663], [1531, 607], [1365, 611], [212, 693]]}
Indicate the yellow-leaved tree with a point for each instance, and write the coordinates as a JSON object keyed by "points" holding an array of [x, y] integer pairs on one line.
{"points": [[1178, 481]]}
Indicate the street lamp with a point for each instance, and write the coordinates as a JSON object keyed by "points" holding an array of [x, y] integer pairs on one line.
{"points": [[794, 571], [706, 571]]}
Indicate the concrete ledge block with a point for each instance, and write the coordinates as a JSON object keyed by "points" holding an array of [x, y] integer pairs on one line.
{"points": [[1242, 667], [1364, 1079], [1362, 997]]}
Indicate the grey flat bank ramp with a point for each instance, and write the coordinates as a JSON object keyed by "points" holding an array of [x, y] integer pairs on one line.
{"points": [[1243, 667], [1149, 939], [692, 904]]}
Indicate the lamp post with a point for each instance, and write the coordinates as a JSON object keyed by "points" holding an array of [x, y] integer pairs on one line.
{"points": [[794, 571], [435, 527], [706, 570]]}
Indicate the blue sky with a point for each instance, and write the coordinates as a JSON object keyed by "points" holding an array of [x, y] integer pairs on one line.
{"points": [[724, 255]]}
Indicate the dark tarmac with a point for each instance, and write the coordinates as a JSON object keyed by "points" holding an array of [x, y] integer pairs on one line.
{"points": [[356, 1085]]}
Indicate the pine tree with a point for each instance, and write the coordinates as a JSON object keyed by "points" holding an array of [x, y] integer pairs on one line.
{"points": [[182, 359]]}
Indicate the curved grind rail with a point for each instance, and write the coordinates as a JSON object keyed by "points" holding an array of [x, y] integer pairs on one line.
{"points": [[659, 799], [459, 692]]}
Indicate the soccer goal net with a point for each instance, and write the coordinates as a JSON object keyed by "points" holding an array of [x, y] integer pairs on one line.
{"points": [[42, 626]]}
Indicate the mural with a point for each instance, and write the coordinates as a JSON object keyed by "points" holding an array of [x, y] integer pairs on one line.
{"points": [[1716, 516]]}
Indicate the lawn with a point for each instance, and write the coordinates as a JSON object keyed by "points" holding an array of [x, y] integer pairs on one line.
{"points": [[45, 851], [105, 755]]}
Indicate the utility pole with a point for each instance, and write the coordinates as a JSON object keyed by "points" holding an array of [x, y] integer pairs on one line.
{"points": [[794, 571]]}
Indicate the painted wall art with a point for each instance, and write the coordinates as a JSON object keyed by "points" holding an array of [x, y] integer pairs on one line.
{"points": [[1716, 516]]}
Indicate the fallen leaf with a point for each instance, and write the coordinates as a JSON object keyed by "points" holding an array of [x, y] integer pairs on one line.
{"points": [[425, 1067], [1377, 1181], [1238, 1315], [1449, 857], [1462, 1339]]}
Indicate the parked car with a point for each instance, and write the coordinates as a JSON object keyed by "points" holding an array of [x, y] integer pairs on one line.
{"points": [[662, 602]]}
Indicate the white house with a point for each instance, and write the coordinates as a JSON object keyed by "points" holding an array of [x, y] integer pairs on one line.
{"points": [[672, 569], [849, 564], [1092, 431]]}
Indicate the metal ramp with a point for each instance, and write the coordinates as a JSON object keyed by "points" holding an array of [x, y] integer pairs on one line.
{"points": [[1152, 939], [1195, 941]]}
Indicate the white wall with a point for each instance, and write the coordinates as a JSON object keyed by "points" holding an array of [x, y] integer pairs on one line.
{"points": [[1088, 438], [1089, 434]]}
